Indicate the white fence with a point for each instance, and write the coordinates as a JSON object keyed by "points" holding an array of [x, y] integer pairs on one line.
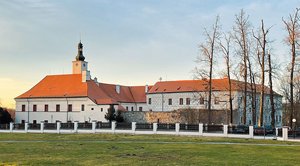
{"points": [[134, 128]]}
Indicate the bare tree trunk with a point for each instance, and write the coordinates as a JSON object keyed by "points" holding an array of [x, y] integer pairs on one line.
{"points": [[208, 50], [261, 39], [241, 30], [292, 27], [251, 84], [226, 52], [271, 91]]}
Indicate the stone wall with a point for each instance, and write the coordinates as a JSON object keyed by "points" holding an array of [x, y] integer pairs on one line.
{"points": [[179, 116]]}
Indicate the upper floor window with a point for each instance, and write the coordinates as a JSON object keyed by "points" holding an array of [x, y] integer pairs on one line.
{"points": [[217, 100], [188, 101], [181, 101], [46, 108], [34, 108], [82, 107], [170, 102], [149, 101], [70, 108], [201, 100], [23, 108], [57, 108], [140, 108]]}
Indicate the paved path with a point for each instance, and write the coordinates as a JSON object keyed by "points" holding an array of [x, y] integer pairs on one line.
{"points": [[142, 142]]}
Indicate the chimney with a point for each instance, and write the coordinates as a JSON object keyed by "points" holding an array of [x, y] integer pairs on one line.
{"points": [[96, 81], [118, 89], [146, 88]]}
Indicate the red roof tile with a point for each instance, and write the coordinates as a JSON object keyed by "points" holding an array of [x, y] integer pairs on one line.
{"points": [[71, 85]]}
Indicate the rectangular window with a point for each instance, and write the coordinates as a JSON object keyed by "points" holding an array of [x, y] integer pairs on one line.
{"points": [[34, 108], [170, 102], [23, 121], [45, 121], [82, 107], [188, 101], [181, 101], [201, 100], [70, 108], [101, 109], [149, 101], [217, 100], [140, 108], [131, 108], [57, 108], [46, 108], [23, 108], [34, 121]]}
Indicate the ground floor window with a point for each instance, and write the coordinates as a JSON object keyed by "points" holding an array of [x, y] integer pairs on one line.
{"points": [[23, 121], [131, 108], [140, 108]]}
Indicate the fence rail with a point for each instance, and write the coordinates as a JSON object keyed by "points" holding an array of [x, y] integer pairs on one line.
{"points": [[144, 126], [156, 128]]}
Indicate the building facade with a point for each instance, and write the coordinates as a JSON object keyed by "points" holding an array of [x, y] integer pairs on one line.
{"points": [[78, 97]]}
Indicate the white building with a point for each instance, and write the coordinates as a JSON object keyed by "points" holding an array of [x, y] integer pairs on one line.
{"points": [[77, 97]]}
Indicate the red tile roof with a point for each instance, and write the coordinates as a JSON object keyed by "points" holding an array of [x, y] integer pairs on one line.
{"points": [[200, 85], [71, 85]]}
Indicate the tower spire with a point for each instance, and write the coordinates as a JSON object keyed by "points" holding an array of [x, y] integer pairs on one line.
{"points": [[80, 56]]}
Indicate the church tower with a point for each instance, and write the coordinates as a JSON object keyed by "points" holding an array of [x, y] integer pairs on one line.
{"points": [[80, 66]]}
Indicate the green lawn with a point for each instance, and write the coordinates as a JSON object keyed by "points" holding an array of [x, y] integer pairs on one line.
{"points": [[107, 149]]}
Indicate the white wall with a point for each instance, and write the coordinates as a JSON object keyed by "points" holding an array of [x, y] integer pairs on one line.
{"points": [[91, 112]]}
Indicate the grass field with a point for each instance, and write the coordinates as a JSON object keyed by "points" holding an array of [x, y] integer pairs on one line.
{"points": [[107, 149]]}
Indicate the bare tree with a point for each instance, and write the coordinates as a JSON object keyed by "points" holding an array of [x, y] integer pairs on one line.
{"points": [[261, 39], [241, 38], [270, 71], [208, 49], [293, 28], [225, 48]]}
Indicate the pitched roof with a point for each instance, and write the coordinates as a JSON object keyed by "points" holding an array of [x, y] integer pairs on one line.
{"points": [[71, 85], [58, 86], [201, 85]]}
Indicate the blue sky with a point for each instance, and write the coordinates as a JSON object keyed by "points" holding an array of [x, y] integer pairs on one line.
{"points": [[128, 42]]}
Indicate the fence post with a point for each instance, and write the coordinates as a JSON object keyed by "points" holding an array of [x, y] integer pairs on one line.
{"points": [[58, 127], [225, 130], [11, 126], [154, 128], [113, 126], [94, 126], [285, 133], [201, 129], [251, 134], [133, 127], [177, 128], [42, 126], [26, 127], [75, 126]]}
